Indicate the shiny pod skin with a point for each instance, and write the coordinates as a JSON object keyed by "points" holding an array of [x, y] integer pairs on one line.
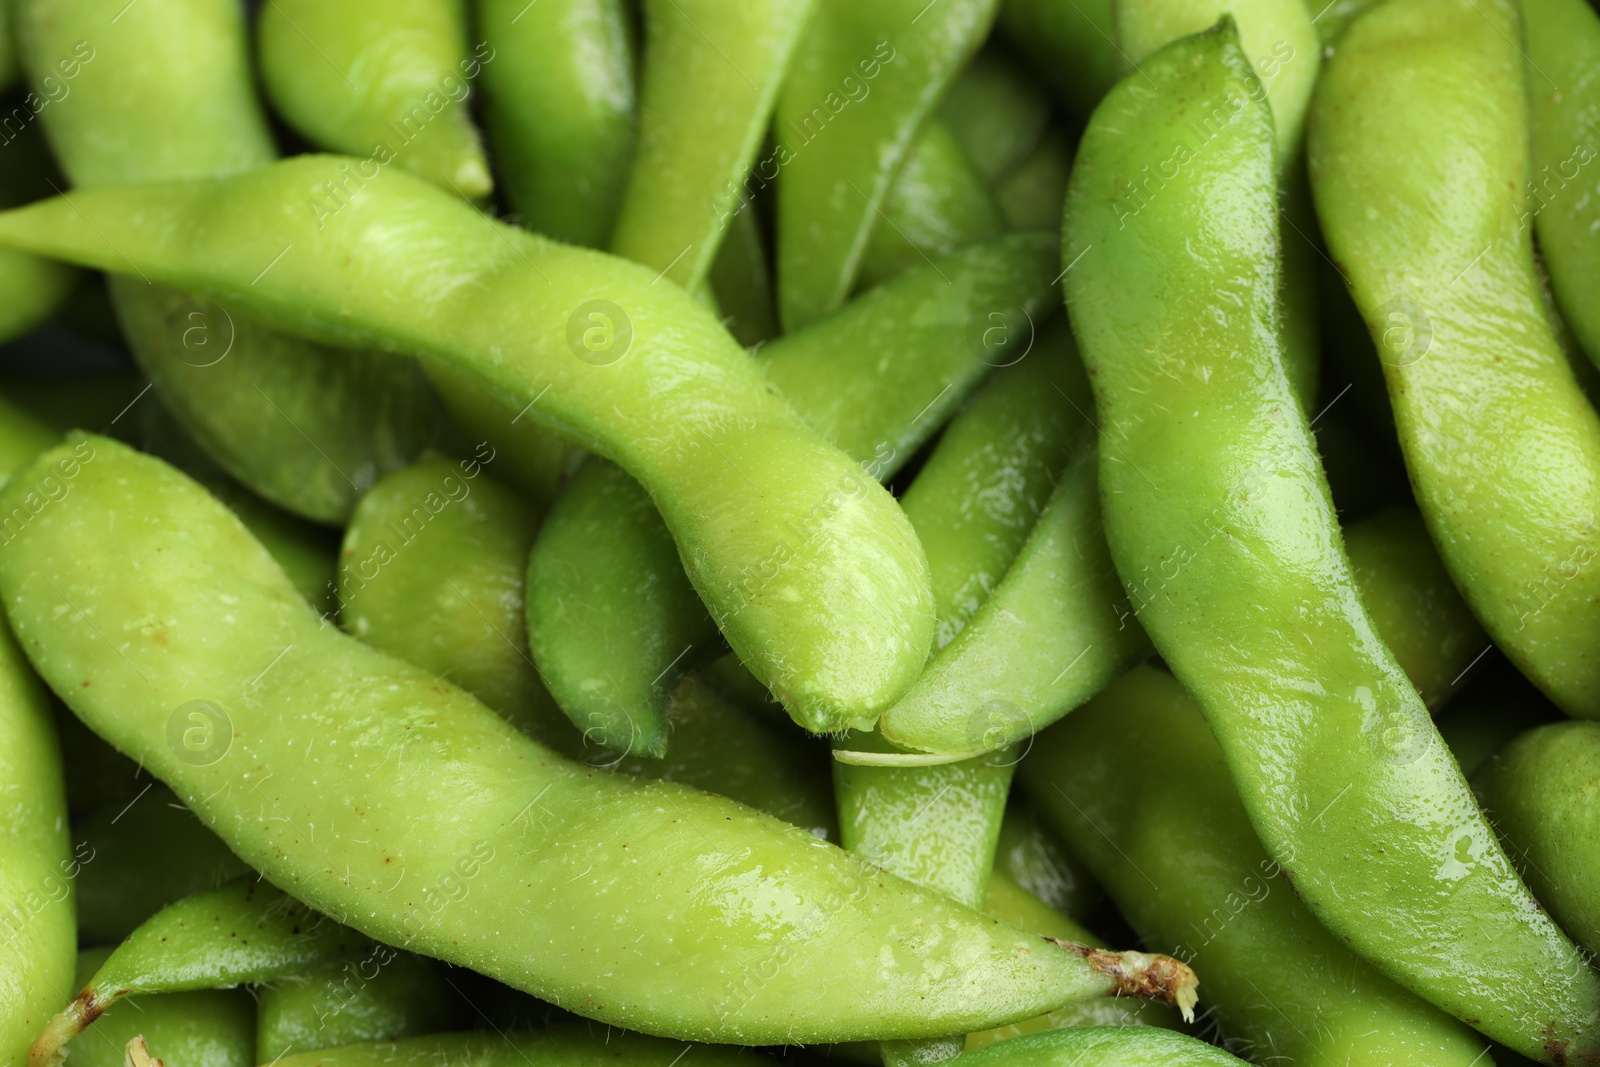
{"points": [[559, 1046], [381, 998], [204, 1028], [381, 79], [1100, 1046], [1219, 520], [1562, 52], [1541, 791], [613, 623], [1140, 789], [822, 590], [862, 81], [1502, 447], [31, 289], [476, 814], [712, 71], [559, 103], [169, 95]]}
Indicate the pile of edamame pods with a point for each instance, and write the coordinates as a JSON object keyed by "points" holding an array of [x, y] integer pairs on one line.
{"points": [[1013, 532]]}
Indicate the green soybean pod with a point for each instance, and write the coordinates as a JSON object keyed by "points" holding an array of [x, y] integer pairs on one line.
{"points": [[559, 103], [712, 72], [138, 857], [862, 81], [1499, 705], [1501, 445], [1173, 846], [31, 289], [1224, 534], [205, 1028], [559, 1046], [1030, 197], [997, 111], [1540, 790], [384, 80], [242, 933], [1033, 857], [611, 620], [473, 812], [1070, 43], [1562, 41], [167, 93], [386, 996], [1100, 1046], [937, 204], [431, 570], [689, 415], [741, 281]]}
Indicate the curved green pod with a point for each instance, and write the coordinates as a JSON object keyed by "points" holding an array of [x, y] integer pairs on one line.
{"points": [[375, 999], [612, 622], [862, 81], [386, 80], [559, 102], [204, 1028], [1030, 197], [558, 1046], [169, 95], [1502, 447], [31, 289], [534, 459], [431, 571], [1173, 846], [1222, 529], [1562, 53], [1540, 790], [711, 76], [1070, 43], [822, 591], [741, 281], [241, 933], [308, 554], [473, 812], [997, 111], [937, 204], [1032, 856], [145, 855], [1100, 1046]]}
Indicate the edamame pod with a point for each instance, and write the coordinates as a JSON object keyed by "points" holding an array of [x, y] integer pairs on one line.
{"points": [[711, 76], [475, 813], [1540, 790], [1030, 197], [822, 590], [1173, 846], [1498, 705], [612, 621], [741, 280], [386, 80], [205, 1028], [1220, 524], [246, 932], [31, 289], [557, 1046], [559, 105], [998, 113], [937, 204], [1100, 1046], [372, 1000], [863, 79], [1562, 57], [166, 93], [1033, 857], [139, 857], [1501, 445], [1070, 43]]}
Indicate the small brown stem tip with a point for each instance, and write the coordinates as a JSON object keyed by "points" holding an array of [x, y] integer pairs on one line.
{"points": [[1143, 974]]}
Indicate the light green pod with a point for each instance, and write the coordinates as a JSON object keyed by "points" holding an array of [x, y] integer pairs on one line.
{"points": [[1222, 529], [1030, 197], [711, 76], [1173, 846], [822, 590], [1100, 1046], [205, 1028], [613, 622], [139, 857], [534, 459], [386, 80], [1562, 41], [1070, 43], [308, 554], [559, 104], [863, 79], [1502, 447], [998, 112], [474, 813], [1031, 855], [169, 95], [243, 933], [741, 280], [432, 570], [937, 204], [567, 1045], [374, 999], [31, 289], [1540, 791]]}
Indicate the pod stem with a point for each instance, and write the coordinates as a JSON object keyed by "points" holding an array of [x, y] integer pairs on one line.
{"points": [[137, 1054], [1143, 974], [67, 1024], [859, 758]]}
